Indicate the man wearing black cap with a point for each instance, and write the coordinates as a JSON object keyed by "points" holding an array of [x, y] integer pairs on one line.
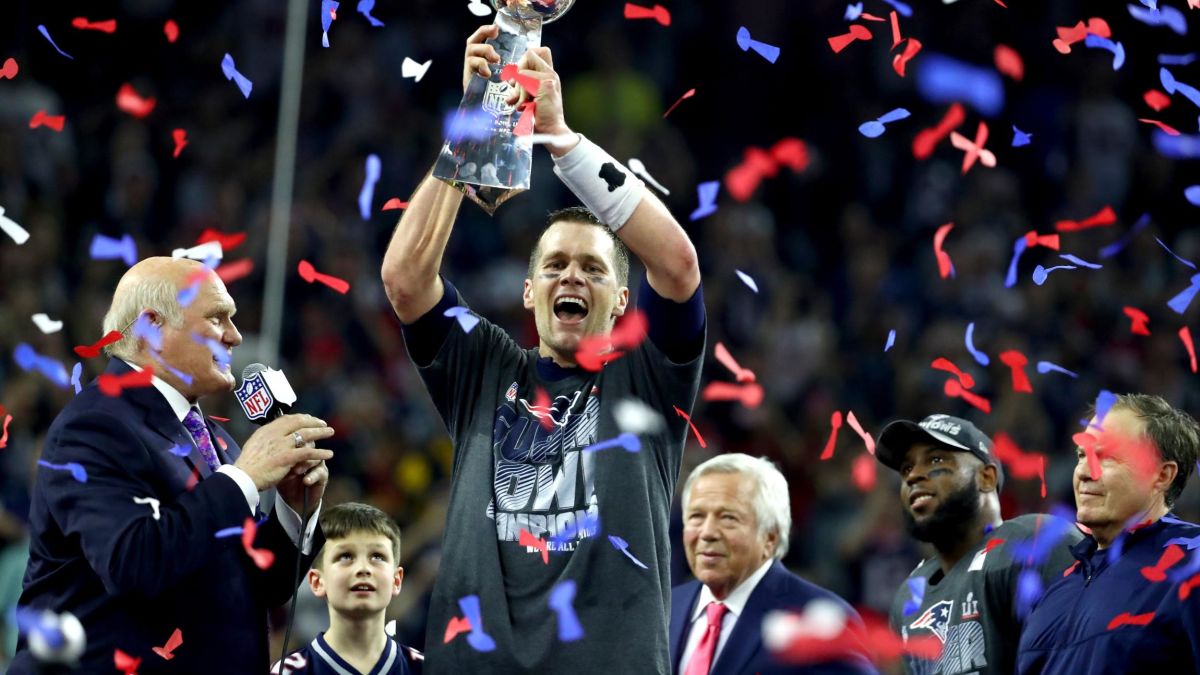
{"points": [[973, 596]]}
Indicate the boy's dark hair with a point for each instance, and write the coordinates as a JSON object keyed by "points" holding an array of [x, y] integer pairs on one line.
{"points": [[581, 215], [1173, 432], [343, 520]]}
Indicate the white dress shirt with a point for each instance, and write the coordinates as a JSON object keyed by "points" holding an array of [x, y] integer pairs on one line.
{"points": [[736, 604], [288, 518]]}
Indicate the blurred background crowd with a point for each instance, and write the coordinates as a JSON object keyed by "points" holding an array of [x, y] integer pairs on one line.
{"points": [[841, 252]]}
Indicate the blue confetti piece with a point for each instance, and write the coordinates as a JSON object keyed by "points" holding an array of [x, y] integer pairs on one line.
{"points": [[875, 128], [180, 451], [562, 598], [479, 640], [942, 79], [28, 359], [1176, 59], [748, 280], [1174, 86], [707, 193], [76, 372], [374, 167], [231, 73], [1119, 245], [1079, 261], [1020, 138], [629, 441], [1167, 16], [219, 351], [465, 318], [1029, 591], [230, 532], [474, 125], [76, 469], [1116, 48], [587, 527], [1041, 273], [916, 587], [853, 11], [187, 295], [184, 377], [1044, 367], [107, 248], [768, 52], [1019, 247], [328, 7], [46, 34], [1192, 194], [1180, 302], [145, 329], [1105, 400], [364, 8], [980, 358], [1036, 550], [43, 623], [1183, 146], [623, 546], [901, 8], [891, 340]]}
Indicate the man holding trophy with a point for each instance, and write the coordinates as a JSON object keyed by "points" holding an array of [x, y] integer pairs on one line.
{"points": [[555, 555]]}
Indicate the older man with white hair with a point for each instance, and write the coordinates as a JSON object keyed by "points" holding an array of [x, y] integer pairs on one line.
{"points": [[737, 523]]}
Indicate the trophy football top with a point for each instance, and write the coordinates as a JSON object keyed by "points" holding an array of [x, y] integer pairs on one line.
{"points": [[549, 10]]}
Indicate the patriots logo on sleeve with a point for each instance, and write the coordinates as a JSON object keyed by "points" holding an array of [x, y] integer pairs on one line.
{"points": [[936, 619]]}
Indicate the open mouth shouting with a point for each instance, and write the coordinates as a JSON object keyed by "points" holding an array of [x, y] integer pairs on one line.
{"points": [[920, 501], [570, 309]]}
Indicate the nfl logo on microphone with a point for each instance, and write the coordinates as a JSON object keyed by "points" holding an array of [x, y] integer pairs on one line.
{"points": [[255, 397]]}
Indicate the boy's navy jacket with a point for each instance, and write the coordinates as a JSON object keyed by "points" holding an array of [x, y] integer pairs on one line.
{"points": [[318, 658], [1119, 615]]}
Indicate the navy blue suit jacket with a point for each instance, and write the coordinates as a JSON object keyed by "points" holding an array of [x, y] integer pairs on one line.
{"points": [[743, 653], [131, 579]]}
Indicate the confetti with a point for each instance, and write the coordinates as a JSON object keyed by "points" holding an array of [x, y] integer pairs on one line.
{"points": [[10, 69], [1020, 138], [374, 166], [219, 351], [955, 390], [151, 501], [1008, 62], [263, 558], [699, 438], [364, 8], [562, 597], [46, 34], [4, 431], [863, 473], [658, 13], [1189, 543], [942, 363], [900, 61], [1165, 16], [1102, 218], [76, 372], [93, 350], [853, 11], [1166, 129], [416, 71], [902, 8], [1127, 619], [202, 252], [227, 241], [1068, 36], [456, 627], [626, 441], [1076, 260], [980, 358], [688, 94], [638, 168], [479, 640], [974, 150], [1192, 193], [526, 539], [896, 38], [945, 265], [1119, 245], [757, 164], [310, 274], [179, 136], [393, 204], [1116, 48], [927, 139], [109, 26], [1140, 322], [76, 469], [857, 32], [167, 651], [835, 422], [171, 30], [231, 73], [1177, 147], [623, 546], [942, 79], [46, 324], [1178, 257], [1050, 241], [1021, 465], [129, 101], [113, 385], [232, 271], [40, 118], [916, 590], [1029, 590], [465, 318], [1105, 400], [1180, 302], [107, 248], [1157, 100], [740, 374], [1186, 587], [181, 451], [328, 14], [479, 8], [749, 395], [1176, 59], [635, 417], [1174, 86], [1185, 336], [1173, 554], [875, 128], [866, 437], [821, 633], [524, 125], [1040, 273], [1044, 367], [891, 340], [1016, 361], [768, 52], [125, 663], [28, 359]]}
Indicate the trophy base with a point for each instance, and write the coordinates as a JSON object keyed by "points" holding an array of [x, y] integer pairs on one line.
{"points": [[489, 198]]}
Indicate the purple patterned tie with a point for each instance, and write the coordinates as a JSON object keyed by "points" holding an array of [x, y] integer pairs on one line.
{"points": [[195, 426]]}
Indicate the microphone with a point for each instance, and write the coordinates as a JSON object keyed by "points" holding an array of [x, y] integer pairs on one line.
{"points": [[264, 393]]}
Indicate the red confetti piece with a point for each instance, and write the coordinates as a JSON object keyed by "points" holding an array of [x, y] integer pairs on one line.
{"points": [[945, 265], [1140, 322], [40, 118], [181, 141], [1068, 36], [1185, 334], [790, 152], [658, 13], [872, 17], [991, 544], [261, 556], [596, 350], [690, 424], [1016, 361], [93, 350], [835, 421], [895, 18], [1008, 62], [167, 651], [1102, 218], [527, 539], [862, 472], [1156, 100], [900, 61], [109, 26], [4, 435], [757, 164], [129, 101], [393, 204], [113, 385], [310, 274], [974, 150], [1185, 588], [749, 395], [10, 69], [866, 438], [1089, 442], [193, 479], [857, 32], [1021, 465], [874, 637], [524, 126], [1050, 241], [457, 626], [1127, 619], [955, 390], [528, 83], [221, 442], [232, 271], [690, 93], [927, 139], [228, 241], [740, 374], [218, 419], [171, 30], [1173, 554], [1166, 128], [126, 663], [541, 409], [943, 363]]}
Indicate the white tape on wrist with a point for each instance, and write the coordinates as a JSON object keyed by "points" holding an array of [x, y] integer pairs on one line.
{"points": [[607, 188]]}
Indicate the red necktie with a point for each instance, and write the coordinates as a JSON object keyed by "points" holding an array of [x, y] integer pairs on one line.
{"points": [[702, 660]]}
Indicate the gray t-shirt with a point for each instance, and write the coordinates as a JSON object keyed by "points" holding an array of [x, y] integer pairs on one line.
{"points": [[972, 609], [519, 465]]}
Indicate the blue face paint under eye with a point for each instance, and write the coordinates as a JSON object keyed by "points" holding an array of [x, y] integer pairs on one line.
{"points": [[938, 472]]}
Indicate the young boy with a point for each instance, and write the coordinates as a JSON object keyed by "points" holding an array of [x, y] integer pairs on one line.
{"points": [[358, 573]]}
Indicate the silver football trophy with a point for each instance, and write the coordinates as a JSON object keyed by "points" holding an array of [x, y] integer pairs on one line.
{"points": [[482, 156]]}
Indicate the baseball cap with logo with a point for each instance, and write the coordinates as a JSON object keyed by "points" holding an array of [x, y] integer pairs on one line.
{"points": [[953, 433]]}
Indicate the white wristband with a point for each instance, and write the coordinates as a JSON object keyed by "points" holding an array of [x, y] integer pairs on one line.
{"points": [[607, 188]]}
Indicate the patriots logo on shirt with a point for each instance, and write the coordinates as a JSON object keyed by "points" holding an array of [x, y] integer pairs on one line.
{"points": [[936, 619]]}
